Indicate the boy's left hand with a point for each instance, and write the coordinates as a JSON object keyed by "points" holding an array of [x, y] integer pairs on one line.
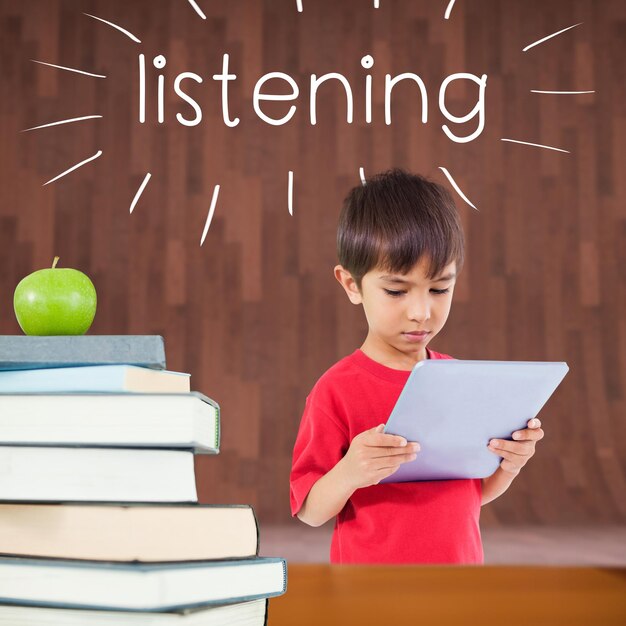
{"points": [[515, 454]]}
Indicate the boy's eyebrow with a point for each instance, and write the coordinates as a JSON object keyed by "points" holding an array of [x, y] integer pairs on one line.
{"points": [[396, 279]]}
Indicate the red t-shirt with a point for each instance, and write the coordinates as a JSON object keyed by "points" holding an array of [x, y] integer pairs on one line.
{"points": [[412, 522]]}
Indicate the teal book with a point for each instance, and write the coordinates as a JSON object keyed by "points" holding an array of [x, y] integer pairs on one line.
{"points": [[21, 352], [138, 586], [94, 379]]}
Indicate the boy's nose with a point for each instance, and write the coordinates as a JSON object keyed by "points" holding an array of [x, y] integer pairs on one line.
{"points": [[419, 313]]}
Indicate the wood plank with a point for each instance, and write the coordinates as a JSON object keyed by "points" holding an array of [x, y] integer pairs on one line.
{"points": [[550, 596]]}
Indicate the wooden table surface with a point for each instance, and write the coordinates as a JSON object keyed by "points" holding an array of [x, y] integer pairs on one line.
{"points": [[326, 595]]}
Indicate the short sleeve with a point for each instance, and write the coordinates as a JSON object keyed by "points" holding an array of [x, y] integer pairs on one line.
{"points": [[320, 444]]}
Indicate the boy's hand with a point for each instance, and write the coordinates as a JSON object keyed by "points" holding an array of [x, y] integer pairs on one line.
{"points": [[515, 454], [374, 455]]}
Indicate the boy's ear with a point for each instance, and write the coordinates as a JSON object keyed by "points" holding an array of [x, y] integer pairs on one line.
{"points": [[348, 283]]}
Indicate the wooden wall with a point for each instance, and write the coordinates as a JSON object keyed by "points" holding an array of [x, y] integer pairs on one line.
{"points": [[255, 314]]}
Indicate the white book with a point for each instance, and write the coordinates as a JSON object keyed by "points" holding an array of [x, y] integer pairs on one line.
{"points": [[139, 587], [251, 613], [185, 420], [101, 474]]}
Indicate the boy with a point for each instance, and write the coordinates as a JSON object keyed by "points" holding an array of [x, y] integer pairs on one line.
{"points": [[400, 246]]}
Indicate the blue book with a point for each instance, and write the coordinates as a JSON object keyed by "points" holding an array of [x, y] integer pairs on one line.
{"points": [[138, 586], [94, 379]]}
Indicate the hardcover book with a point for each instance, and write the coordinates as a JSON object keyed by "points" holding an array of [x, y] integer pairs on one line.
{"points": [[184, 420], [20, 352], [94, 378], [139, 587], [148, 532], [30, 474], [253, 613]]}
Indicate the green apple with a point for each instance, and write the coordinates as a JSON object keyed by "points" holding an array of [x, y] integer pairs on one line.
{"points": [[55, 302]]}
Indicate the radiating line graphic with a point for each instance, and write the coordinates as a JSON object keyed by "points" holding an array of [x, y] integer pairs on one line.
{"points": [[299, 5], [197, 9], [140, 191], [216, 192], [536, 145], [560, 92], [122, 30], [69, 69], [362, 175], [532, 45], [449, 9], [290, 193], [456, 187], [69, 121], [74, 167]]}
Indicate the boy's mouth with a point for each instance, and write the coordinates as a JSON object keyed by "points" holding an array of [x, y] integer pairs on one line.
{"points": [[417, 335]]}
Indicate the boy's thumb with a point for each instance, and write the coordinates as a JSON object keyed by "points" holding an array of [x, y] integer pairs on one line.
{"points": [[379, 428]]}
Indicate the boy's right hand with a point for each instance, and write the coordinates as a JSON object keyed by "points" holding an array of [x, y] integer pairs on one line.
{"points": [[374, 455]]}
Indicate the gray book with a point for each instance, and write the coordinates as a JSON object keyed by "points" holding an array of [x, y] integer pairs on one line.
{"points": [[21, 352]]}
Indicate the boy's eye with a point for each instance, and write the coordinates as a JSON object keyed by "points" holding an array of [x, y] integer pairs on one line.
{"points": [[395, 294]]}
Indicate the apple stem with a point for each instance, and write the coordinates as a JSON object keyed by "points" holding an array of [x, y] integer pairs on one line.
{"points": [[54, 263]]}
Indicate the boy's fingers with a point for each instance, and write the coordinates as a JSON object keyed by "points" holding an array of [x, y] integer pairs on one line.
{"points": [[372, 433], [534, 423], [379, 439], [384, 452], [396, 462], [516, 460], [512, 446], [511, 456], [529, 434], [387, 471], [518, 448]]}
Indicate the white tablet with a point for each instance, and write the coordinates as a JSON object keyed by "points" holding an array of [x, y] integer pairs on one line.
{"points": [[453, 408]]}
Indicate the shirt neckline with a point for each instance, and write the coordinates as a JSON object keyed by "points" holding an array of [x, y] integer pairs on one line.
{"points": [[382, 371]]}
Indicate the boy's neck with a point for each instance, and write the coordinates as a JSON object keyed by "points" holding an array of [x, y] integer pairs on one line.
{"points": [[390, 357]]}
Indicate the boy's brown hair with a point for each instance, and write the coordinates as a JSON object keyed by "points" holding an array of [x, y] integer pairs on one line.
{"points": [[395, 219]]}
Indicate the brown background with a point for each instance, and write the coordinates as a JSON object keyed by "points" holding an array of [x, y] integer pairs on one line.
{"points": [[255, 314]]}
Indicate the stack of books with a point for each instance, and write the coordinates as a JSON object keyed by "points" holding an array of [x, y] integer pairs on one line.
{"points": [[99, 520]]}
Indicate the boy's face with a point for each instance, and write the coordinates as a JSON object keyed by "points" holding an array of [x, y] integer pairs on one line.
{"points": [[397, 307]]}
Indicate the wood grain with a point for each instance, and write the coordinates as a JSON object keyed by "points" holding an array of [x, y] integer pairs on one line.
{"points": [[550, 596], [255, 314]]}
